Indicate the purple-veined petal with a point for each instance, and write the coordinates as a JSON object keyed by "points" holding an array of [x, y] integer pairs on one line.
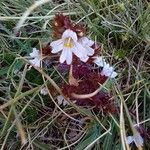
{"points": [[63, 55], [79, 50], [86, 42], [57, 46], [90, 51], [69, 56]]}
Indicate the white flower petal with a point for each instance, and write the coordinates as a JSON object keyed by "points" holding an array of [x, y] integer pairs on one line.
{"points": [[35, 53], [69, 33], [35, 62], [86, 42], [90, 51], [107, 66], [113, 75], [69, 56], [61, 100], [65, 102], [84, 59], [57, 46], [44, 91], [63, 55], [138, 140], [108, 71], [130, 139], [57, 49], [79, 50], [100, 61]]}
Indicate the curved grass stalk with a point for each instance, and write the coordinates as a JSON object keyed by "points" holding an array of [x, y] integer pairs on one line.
{"points": [[84, 96]]}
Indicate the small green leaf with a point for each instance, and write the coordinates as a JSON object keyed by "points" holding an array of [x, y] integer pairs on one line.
{"points": [[120, 53]]}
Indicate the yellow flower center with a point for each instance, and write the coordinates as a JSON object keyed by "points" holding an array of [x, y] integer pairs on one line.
{"points": [[68, 43]]}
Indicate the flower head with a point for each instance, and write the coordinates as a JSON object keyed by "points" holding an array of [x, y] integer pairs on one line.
{"points": [[35, 61], [69, 45], [108, 71], [99, 61]]}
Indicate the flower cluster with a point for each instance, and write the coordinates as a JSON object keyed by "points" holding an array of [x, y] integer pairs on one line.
{"points": [[69, 44], [76, 54]]}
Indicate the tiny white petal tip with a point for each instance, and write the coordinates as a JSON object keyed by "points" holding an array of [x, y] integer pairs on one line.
{"points": [[44, 91]]}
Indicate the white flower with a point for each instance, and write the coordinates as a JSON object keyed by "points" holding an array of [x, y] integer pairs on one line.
{"points": [[35, 57], [137, 139], [85, 42], [108, 71], [99, 61], [69, 44], [44, 91], [62, 100]]}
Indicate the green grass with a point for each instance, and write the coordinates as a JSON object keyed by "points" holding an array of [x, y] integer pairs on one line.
{"points": [[31, 121]]}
